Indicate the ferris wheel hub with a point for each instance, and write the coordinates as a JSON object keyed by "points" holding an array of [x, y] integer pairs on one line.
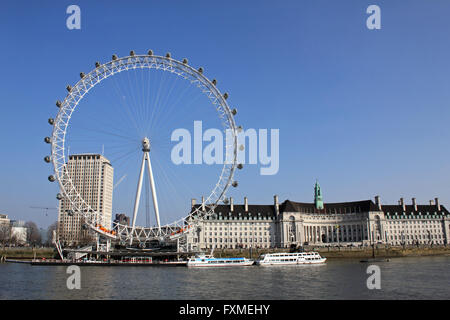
{"points": [[145, 144]]}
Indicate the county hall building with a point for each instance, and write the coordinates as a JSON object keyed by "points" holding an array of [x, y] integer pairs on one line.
{"points": [[282, 225]]}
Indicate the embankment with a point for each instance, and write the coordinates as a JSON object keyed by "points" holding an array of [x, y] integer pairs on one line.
{"points": [[345, 253], [27, 253]]}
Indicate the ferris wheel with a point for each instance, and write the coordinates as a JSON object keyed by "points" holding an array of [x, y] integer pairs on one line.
{"points": [[59, 149]]}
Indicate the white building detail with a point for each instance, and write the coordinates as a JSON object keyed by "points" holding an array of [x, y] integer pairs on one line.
{"points": [[292, 223], [92, 176]]}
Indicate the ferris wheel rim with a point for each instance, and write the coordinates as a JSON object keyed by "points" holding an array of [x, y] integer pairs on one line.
{"points": [[116, 65]]}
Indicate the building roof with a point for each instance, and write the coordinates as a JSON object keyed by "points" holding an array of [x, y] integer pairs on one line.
{"points": [[422, 209], [333, 208], [257, 210], [268, 211]]}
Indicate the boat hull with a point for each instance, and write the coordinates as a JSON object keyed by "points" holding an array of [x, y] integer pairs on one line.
{"points": [[296, 263], [215, 265]]}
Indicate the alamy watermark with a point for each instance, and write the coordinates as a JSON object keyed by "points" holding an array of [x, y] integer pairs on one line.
{"points": [[74, 280], [374, 20], [74, 20], [190, 148], [374, 280]]}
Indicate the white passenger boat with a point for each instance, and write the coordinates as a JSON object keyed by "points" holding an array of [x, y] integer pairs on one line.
{"points": [[275, 259], [209, 261]]}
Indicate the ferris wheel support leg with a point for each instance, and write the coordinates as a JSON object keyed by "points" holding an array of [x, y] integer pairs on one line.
{"points": [[138, 196], [152, 185]]}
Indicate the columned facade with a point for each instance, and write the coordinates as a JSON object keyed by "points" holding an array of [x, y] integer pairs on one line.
{"points": [[293, 224]]}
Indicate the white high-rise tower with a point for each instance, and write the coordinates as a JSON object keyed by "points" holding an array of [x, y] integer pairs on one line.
{"points": [[92, 176]]}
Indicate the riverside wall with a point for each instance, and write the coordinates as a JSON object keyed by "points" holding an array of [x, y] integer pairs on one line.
{"points": [[26, 253], [379, 251]]}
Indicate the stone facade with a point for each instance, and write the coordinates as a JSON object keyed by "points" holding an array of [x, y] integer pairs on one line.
{"points": [[296, 224]]}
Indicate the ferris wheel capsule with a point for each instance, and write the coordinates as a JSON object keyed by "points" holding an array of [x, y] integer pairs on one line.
{"points": [[226, 201], [225, 96], [59, 196], [51, 121], [132, 53], [234, 184], [51, 178], [234, 111], [200, 70], [82, 75], [214, 81], [150, 52], [97, 64], [114, 57], [58, 103], [48, 140], [47, 159], [185, 61], [168, 55], [240, 166], [69, 88], [239, 129]]}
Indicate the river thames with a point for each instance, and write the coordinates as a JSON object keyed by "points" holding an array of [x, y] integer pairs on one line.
{"points": [[401, 278]]}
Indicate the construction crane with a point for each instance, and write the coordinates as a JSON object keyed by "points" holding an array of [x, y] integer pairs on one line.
{"points": [[44, 208]]}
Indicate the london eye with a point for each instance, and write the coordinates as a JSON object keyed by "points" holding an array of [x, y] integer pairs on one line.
{"points": [[174, 83]]}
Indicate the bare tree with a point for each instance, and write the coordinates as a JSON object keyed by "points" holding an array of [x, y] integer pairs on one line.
{"points": [[14, 240], [5, 234], [33, 234], [87, 238]]}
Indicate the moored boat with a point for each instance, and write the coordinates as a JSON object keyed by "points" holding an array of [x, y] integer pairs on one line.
{"points": [[203, 260], [270, 259]]}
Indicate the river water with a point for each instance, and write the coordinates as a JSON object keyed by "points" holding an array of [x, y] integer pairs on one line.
{"points": [[401, 278]]}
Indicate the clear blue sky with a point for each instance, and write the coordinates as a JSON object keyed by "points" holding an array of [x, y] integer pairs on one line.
{"points": [[364, 111]]}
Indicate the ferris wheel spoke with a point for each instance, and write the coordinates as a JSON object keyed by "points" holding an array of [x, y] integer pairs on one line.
{"points": [[155, 104], [143, 104], [180, 182], [135, 98], [125, 106], [122, 156], [108, 133], [166, 184], [164, 102], [147, 99], [183, 112]]}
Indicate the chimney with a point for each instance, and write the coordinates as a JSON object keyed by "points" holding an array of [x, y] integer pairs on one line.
{"points": [[231, 204], [438, 205], [377, 202], [245, 204], [192, 202], [402, 203], [414, 204], [276, 204], [203, 203], [431, 203]]}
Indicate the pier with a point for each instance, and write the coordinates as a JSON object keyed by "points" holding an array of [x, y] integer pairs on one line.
{"points": [[56, 262]]}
